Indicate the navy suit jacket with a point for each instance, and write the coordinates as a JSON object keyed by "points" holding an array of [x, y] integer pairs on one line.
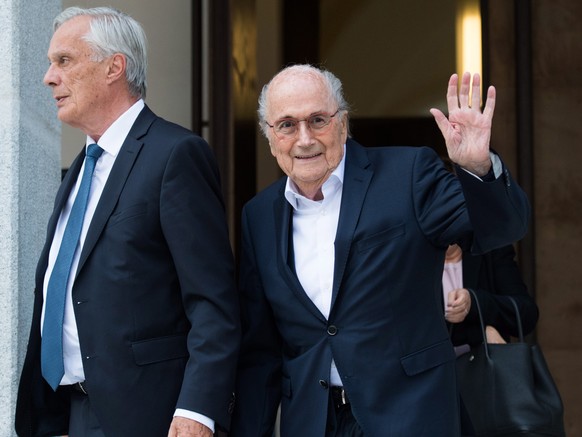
{"points": [[386, 332], [154, 294]]}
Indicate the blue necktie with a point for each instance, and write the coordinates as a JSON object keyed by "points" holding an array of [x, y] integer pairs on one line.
{"points": [[52, 334]]}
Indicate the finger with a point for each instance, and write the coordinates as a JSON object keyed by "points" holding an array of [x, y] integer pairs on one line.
{"points": [[441, 120], [456, 297], [476, 92], [452, 93], [464, 91], [490, 102]]}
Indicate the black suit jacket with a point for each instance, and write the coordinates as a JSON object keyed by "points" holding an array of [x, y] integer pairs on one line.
{"points": [[493, 277], [386, 332], [154, 295]]}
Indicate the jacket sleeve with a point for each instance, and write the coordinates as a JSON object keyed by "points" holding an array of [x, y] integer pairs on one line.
{"points": [[499, 210], [463, 209], [194, 226]]}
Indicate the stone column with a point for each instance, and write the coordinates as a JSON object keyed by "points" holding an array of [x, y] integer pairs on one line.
{"points": [[30, 152]]}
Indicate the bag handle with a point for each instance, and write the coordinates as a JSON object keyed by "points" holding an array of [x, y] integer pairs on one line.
{"points": [[519, 328], [474, 299], [515, 307]]}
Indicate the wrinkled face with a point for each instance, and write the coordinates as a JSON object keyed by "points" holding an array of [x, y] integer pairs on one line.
{"points": [[78, 83], [310, 156]]}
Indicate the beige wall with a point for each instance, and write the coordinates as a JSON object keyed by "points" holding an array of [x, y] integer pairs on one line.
{"points": [[168, 28]]}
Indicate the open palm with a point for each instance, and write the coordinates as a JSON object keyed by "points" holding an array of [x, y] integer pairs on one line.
{"points": [[467, 130]]}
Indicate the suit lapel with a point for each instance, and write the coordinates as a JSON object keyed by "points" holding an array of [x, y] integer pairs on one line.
{"points": [[60, 199], [357, 177], [116, 180], [283, 216]]}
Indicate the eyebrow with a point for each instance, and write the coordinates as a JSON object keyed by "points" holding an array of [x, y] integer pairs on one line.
{"points": [[58, 54], [301, 118]]}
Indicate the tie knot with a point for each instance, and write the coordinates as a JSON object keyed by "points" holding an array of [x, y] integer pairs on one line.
{"points": [[94, 151]]}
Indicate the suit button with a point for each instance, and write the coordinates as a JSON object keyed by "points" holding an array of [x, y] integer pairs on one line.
{"points": [[332, 330], [323, 383]]}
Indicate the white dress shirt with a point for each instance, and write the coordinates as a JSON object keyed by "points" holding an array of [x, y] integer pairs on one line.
{"points": [[111, 142], [314, 230]]}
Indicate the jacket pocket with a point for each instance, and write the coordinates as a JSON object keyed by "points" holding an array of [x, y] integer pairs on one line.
{"points": [[127, 213], [428, 358], [380, 238], [159, 349]]}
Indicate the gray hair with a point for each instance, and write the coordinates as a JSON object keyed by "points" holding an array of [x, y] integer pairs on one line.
{"points": [[333, 84], [111, 32]]}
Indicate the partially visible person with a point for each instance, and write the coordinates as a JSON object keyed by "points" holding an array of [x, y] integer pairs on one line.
{"points": [[135, 330], [493, 277], [342, 261]]}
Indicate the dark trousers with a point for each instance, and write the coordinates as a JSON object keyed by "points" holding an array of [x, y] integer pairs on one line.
{"points": [[83, 422], [341, 422]]}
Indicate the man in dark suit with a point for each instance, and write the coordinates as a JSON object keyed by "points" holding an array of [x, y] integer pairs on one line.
{"points": [[342, 263], [150, 330]]}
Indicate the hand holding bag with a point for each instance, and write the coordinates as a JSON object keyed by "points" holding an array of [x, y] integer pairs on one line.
{"points": [[507, 389]]}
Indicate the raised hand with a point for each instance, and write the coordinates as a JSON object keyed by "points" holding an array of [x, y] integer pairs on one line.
{"points": [[467, 131]]}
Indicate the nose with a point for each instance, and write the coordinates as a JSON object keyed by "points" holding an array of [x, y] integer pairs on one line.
{"points": [[50, 77], [304, 134]]}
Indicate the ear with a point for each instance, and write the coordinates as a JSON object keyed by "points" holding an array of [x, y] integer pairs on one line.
{"points": [[116, 67]]}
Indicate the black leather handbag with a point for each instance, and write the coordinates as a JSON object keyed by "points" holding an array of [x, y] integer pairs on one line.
{"points": [[507, 389]]}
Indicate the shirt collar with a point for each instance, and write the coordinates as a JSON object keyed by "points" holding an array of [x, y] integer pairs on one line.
{"points": [[334, 182], [113, 138]]}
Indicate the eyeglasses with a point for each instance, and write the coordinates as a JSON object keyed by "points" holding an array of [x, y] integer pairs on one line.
{"points": [[288, 127]]}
